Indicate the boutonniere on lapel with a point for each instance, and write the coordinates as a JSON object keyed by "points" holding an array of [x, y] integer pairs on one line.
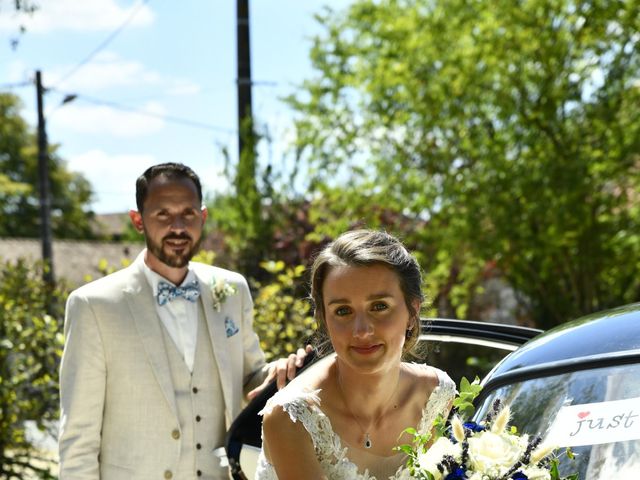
{"points": [[220, 291]]}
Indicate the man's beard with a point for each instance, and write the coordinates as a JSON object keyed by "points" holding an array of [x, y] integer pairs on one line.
{"points": [[172, 259]]}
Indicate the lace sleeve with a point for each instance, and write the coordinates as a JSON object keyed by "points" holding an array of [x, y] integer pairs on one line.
{"points": [[438, 402], [292, 401], [303, 406]]}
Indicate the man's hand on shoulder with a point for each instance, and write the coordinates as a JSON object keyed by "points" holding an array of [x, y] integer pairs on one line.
{"points": [[283, 370]]}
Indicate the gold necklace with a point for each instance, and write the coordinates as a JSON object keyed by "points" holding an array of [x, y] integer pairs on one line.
{"points": [[367, 438]]}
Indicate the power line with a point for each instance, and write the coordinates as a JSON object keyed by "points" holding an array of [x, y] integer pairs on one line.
{"points": [[8, 86], [168, 118], [101, 46]]}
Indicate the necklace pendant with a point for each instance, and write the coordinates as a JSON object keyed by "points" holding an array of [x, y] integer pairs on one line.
{"points": [[367, 441]]}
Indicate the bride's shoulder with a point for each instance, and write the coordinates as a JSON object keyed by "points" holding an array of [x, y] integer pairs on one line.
{"points": [[429, 377], [302, 392]]}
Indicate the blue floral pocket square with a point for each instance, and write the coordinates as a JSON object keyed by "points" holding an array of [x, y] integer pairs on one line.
{"points": [[230, 327]]}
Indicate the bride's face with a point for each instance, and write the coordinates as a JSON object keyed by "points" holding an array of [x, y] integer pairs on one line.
{"points": [[366, 316]]}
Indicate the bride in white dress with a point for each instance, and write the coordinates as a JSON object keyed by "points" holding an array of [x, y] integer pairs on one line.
{"points": [[343, 417]]}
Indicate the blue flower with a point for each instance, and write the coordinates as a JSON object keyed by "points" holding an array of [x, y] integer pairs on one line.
{"points": [[519, 476], [473, 426], [457, 474]]}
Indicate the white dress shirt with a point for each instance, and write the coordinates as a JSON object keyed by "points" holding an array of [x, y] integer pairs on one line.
{"points": [[179, 316]]}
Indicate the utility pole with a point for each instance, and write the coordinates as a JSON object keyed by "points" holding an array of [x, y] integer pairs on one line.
{"points": [[43, 186], [246, 186], [245, 124]]}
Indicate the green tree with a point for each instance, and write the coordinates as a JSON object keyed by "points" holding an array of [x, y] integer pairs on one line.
{"points": [[30, 349], [19, 197], [510, 128], [253, 221], [241, 215]]}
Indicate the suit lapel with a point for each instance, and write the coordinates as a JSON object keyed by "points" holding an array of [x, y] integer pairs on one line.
{"points": [[215, 324], [141, 304]]}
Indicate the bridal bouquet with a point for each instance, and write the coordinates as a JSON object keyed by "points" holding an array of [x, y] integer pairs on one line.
{"points": [[489, 450]]}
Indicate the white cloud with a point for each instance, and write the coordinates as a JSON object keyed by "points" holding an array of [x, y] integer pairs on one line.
{"points": [[106, 70], [110, 70], [84, 15], [112, 177], [105, 120]]}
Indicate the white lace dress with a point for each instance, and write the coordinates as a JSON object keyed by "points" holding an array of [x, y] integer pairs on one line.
{"points": [[303, 406]]}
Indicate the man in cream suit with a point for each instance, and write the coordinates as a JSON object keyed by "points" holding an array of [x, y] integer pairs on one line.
{"points": [[158, 356]]}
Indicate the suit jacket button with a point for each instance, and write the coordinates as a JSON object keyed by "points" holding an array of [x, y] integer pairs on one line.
{"points": [[194, 389], [198, 418], [176, 435], [168, 474]]}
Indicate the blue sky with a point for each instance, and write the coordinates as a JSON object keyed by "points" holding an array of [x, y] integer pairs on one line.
{"points": [[175, 60]]}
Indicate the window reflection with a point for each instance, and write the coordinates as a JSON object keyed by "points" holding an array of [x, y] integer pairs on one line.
{"points": [[535, 403]]}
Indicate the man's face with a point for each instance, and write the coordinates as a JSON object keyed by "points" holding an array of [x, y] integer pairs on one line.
{"points": [[171, 220]]}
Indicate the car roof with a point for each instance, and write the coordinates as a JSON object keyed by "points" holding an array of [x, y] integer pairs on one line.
{"points": [[605, 338], [497, 335]]}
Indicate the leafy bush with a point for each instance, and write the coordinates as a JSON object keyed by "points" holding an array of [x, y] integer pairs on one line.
{"points": [[31, 340], [283, 318]]}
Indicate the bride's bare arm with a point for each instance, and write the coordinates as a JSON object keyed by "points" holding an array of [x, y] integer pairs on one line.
{"points": [[288, 447]]}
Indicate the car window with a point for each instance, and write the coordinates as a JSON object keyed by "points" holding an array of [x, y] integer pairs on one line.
{"points": [[595, 412], [461, 359]]}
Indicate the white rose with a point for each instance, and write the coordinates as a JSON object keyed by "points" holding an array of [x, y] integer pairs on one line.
{"points": [[536, 473], [494, 454], [429, 460]]}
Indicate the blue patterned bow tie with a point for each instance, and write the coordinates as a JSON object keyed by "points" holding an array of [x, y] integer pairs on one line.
{"points": [[167, 292]]}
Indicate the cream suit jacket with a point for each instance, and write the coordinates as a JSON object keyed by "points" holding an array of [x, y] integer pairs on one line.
{"points": [[117, 403]]}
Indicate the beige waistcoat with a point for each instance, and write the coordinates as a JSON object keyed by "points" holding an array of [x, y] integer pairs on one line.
{"points": [[198, 399]]}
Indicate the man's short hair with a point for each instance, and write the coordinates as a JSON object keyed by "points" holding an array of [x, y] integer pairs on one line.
{"points": [[169, 170]]}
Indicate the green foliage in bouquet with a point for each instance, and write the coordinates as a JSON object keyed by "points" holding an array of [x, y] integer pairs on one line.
{"points": [[490, 450], [463, 403]]}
